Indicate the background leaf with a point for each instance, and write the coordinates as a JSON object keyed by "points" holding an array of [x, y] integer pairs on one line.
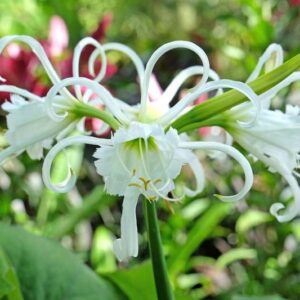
{"points": [[46, 271], [9, 284]]}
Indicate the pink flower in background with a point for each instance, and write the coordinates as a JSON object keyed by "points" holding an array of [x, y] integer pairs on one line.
{"points": [[295, 2], [17, 68]]}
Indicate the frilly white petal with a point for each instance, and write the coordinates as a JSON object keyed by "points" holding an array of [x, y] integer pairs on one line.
{"points": [[127, 245], [233, 153]]}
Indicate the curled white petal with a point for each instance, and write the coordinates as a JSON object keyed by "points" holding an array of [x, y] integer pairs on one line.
{"points": [[213, 85], [198, 171], [101, 92], [284, 83], [69, 183], [175, 84], [15, 90], [104, 128], [38, 50], [131, 54], [233, 153], [91, 62], [293, 209], [272, 49], [158, 53], [81, 127], [86, 96], [127, 245]]}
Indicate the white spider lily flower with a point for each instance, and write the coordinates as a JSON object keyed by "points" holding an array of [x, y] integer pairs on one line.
{"points": [[142, 159], [273, 139], [144, 155]]}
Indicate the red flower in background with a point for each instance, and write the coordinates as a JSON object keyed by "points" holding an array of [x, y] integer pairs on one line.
{"points": [[295, 2], [20, 67]]}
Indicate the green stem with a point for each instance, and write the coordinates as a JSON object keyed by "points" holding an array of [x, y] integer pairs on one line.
{"points": [[216, 105], [163, 288], [81, 109]]}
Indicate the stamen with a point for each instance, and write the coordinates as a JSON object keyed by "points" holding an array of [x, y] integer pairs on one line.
{"points": [[135, 184], [151, 184], [145, 182]]}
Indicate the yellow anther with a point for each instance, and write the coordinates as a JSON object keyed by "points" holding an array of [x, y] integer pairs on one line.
{"points": [[133, 172], [157, 181], [135, 184], [152, 198], [145, 182]]}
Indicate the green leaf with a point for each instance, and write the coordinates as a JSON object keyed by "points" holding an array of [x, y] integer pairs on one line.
{"points": [[199, 232], [91, 205], [137, 282], [102, 257], [250, 219], [9, 283], [234, 255], [46, 271]]}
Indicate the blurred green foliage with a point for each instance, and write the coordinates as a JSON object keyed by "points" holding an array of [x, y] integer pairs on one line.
{"points": [[214, 250]]}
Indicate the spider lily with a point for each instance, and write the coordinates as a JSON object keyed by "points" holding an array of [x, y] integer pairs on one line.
{"points": [[274, 137], [144, 156]]}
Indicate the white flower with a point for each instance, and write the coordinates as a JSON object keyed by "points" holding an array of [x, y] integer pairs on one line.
{"points": [[143, 159], [274, 137], [34, 122], [144, 155], [31, 128]]}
